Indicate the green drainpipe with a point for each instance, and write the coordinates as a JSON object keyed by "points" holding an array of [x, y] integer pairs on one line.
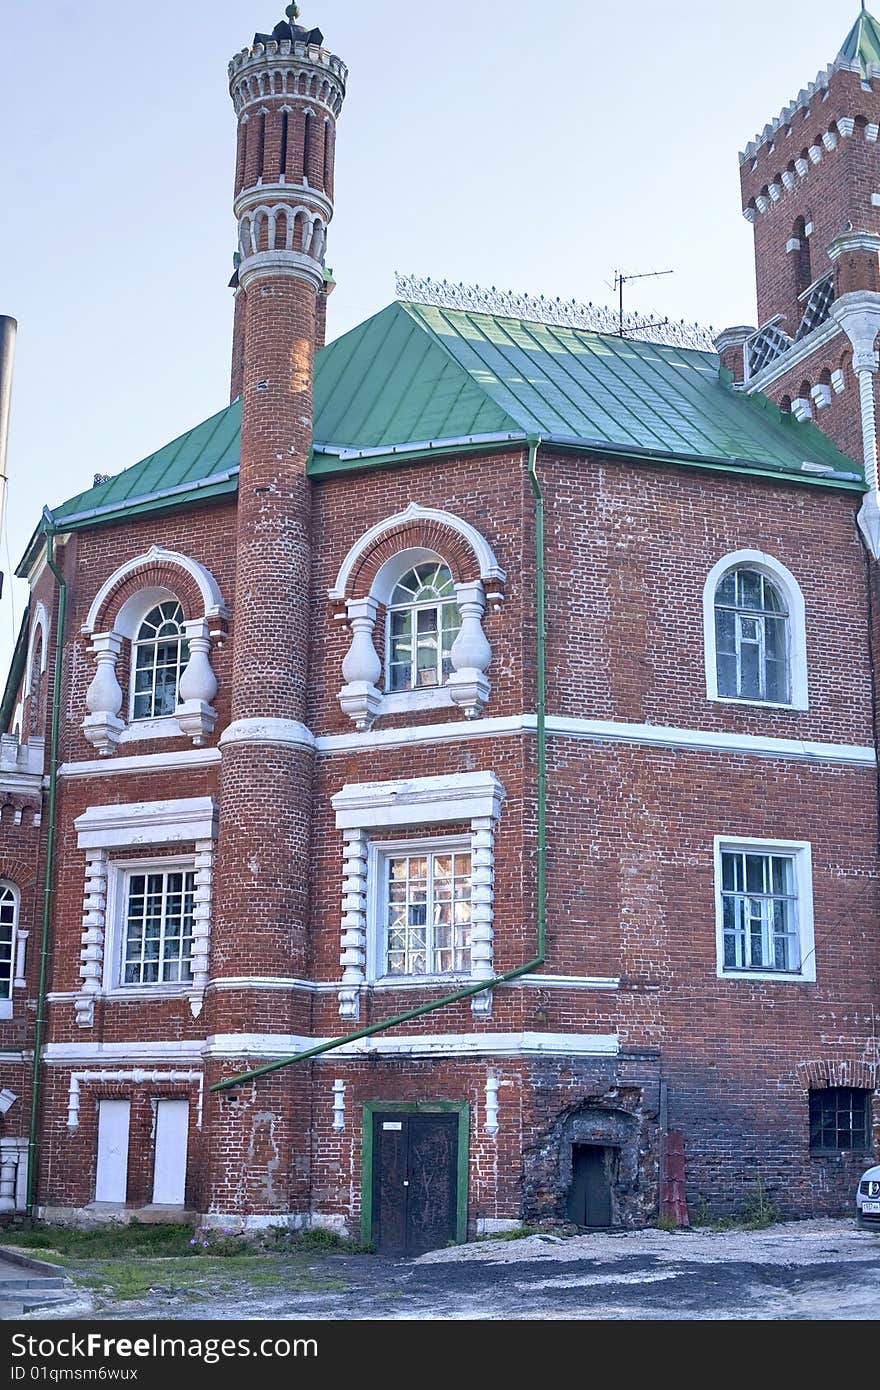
{"points": [[49, 864], [541, 875]]}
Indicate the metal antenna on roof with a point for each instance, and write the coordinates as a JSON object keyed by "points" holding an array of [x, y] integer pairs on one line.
{"points": [[619, 281]]}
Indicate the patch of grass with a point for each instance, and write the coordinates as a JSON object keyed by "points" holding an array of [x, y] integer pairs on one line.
{"points": [[107, 1242], [665, 1223], [316, 1241], [759, 1211]]}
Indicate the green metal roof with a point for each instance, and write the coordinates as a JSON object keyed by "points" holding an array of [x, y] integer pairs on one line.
{"points": [[201, 463], [416, 380], [425, 377], [862, 43]]}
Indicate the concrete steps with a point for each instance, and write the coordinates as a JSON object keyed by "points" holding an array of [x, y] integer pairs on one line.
{"points": [[27, 1285]]}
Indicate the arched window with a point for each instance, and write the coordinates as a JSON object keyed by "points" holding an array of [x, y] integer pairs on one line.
{"points": [[160, 654], [424, 620], [751, 638], [8, 928]]}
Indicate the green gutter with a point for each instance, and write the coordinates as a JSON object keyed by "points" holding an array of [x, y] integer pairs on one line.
{"points": [[16, 671], [541, 867], [49, 862]]}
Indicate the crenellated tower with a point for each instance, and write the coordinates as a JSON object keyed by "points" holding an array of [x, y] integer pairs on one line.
{"points": [[811, 191]]}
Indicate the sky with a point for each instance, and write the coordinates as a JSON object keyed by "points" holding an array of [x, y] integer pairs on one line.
{"points": [[533, 147]]}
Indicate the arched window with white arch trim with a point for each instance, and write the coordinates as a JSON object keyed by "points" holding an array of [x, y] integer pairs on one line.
{"points": [[163, 610], [428, 595], [754, 632]]}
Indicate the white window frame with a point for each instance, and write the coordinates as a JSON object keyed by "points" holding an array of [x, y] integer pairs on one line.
{"points": [[379, 851], [159, 723], [438, 605], [801, 852], [119, 872], [797, 632]]}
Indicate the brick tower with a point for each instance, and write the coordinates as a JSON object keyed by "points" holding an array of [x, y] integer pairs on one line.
{"points": [[287, 90], [811, 190]]}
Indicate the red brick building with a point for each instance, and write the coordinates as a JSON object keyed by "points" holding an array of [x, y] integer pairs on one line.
{"points": [[486, 673]]}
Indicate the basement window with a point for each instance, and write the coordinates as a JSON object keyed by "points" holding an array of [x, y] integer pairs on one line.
{"points": [[840, 1120]]}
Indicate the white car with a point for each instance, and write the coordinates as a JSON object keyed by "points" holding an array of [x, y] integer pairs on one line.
{"points": [[868, 1198]]}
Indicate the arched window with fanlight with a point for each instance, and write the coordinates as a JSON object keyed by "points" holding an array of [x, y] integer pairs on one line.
{"points": [[159, 656], [755, 632], [423, 622], [751, 638]]}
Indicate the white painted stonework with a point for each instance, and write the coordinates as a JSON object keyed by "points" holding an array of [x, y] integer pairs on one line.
{"points": [[104, 724], [142, 824]]}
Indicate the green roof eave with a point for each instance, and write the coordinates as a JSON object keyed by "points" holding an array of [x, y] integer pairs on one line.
{"points": [[327, 461]]}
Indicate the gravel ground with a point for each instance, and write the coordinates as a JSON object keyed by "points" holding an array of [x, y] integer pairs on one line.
{"points": [[801, 1270]]}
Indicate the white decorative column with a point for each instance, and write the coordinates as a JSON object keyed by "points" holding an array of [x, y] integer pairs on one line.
{"points": [[198, 684], [858, 314], [360, 697], [94, 920], [482, 908], [21, 941], [491, 1125], [201, 942], [471, 653], [8, 1176], [339, 1105], [354, 922], [102, 725]]}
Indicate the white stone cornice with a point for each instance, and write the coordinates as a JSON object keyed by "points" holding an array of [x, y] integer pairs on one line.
{"points": [[267, 193], [279, 733], [418, 801], [269, 265], [269, 1045], [177, 761], [147, 823]]}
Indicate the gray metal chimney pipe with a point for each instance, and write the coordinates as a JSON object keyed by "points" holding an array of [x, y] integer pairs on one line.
{"points": [[8, 330]]}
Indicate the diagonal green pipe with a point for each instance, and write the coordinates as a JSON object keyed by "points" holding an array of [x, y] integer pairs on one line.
{"points": [[40, 1025], [534, 443]]}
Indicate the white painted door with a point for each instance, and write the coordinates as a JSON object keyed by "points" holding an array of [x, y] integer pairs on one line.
{"points": [[172, 1133], [111, 1183]]}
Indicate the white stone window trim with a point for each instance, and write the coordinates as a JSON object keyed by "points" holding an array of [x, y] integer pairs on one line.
{"points": [[191, 820], [18, 952], [363, 697], [800, 851], [360, 807], [195, 716], [797, 630]]}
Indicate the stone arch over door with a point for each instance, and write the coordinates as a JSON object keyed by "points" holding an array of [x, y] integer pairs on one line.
{"points": [[621, 1123]]}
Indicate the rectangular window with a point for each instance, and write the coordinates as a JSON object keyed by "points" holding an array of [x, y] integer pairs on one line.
{"points": [[425, 912], [158, 927], [764, 909], [760, 912], [840, 1120]]}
